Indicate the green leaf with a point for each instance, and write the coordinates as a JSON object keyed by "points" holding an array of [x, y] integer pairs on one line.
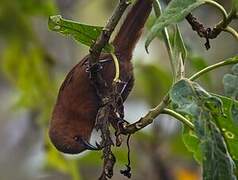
{"points": [[213, 128], [228, 124], [175, 12], [217, 163], [192, 142], [230, 82], [85, 34], [182, 96], [234, 112]]}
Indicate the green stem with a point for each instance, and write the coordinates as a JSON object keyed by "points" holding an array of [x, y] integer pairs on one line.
{"points": [[232, 31], [158, 10], [214, 66], [178, 117], [117, 68], [170, 51]]}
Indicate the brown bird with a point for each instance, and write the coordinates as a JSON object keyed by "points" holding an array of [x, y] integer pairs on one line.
{"points": [[75, 111]]}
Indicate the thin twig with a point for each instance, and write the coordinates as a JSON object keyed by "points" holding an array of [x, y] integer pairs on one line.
{"points": [[106, 96], [147, 119], [209, 33], [153, 113], [103, 39]]}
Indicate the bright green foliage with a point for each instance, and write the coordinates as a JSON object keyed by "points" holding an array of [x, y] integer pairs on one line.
{"points": [[192, 142], [216, 161], [174, 12], [205, 111], [83, 33], [228, 125], [29, 68]]}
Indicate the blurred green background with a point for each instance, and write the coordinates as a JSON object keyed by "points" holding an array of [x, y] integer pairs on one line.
{"points": [[34, 62]]}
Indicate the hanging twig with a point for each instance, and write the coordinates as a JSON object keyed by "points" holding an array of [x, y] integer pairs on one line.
{"points": [[106, 96], [209, 33]]}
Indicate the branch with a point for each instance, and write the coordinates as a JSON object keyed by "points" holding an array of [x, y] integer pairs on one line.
{"points": [[103, 39], [210, 33], [106, 96], [161, 108], [147, 119]]}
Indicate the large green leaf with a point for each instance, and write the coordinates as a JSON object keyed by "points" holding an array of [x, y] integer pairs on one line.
{"points": [[216, 161], [214, 130], [228, 125], [85, 34], [175, 12]]}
